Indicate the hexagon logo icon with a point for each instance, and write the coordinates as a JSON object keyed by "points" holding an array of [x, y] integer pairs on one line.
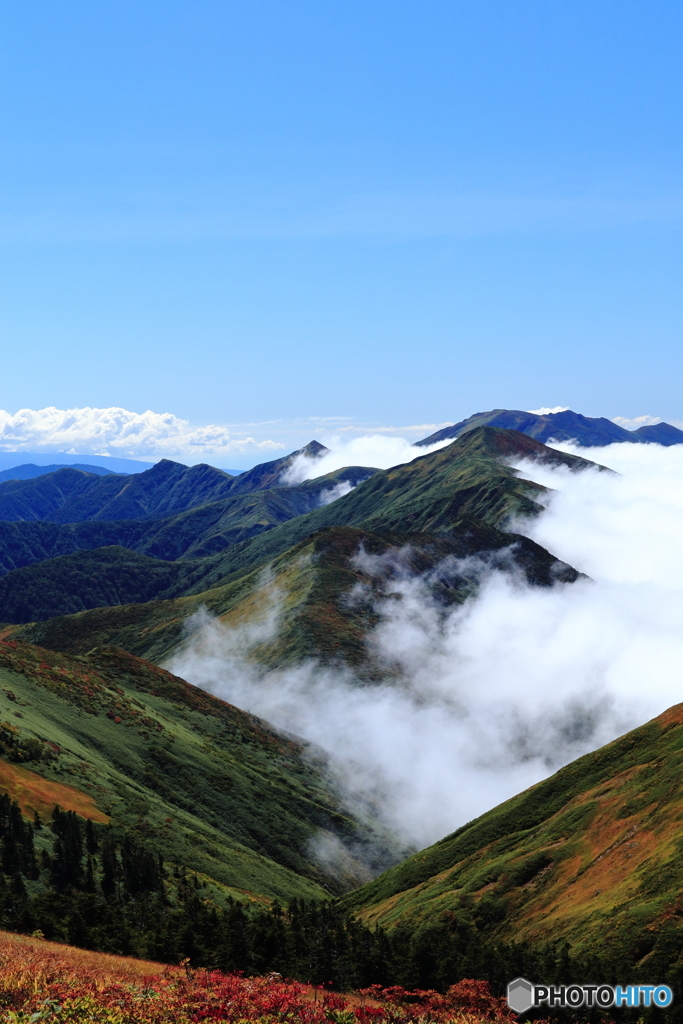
{"points": [[520, 995]]}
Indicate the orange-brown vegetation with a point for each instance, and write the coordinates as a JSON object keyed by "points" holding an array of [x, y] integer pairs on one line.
{"points": [[34, 793]]}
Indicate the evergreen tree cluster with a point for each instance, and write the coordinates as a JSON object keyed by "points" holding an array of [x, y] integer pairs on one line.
{"points": [[101, 888], [16, 839]]}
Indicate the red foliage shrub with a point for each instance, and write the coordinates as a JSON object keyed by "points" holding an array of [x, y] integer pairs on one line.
{"points": [[41, 981]]}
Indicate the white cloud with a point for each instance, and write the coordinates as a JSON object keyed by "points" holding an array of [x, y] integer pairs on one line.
{"points": [[331, 494], [375, 450], [637, 421], [118, 432], [490, 697], [547, 411]]}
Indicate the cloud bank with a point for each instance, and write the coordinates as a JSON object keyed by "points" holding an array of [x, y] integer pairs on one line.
{"points": [[491, 697], [118, 432], [375, 450]]}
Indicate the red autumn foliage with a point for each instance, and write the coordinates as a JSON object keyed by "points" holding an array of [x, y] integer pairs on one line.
{"points": [[52, 983]]}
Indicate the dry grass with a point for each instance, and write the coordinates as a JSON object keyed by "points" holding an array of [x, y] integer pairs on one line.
{"points": [[42, 960]]}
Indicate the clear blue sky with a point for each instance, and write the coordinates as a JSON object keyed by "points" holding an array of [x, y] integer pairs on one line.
{"points": [[396, 212]]}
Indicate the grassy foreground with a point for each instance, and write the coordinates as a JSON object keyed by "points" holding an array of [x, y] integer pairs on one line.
{"points": [[42, 981]]}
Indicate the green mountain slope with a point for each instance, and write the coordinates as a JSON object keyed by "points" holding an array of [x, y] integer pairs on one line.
{"points": [[311, 586], [591, 855], [211, 787], [194, 533], [468, 480], [89, 579]]}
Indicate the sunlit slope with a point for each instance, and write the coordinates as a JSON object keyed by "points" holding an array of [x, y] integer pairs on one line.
{"points": [[438, 493], [204, 783], [591, 855], [319, 597]]}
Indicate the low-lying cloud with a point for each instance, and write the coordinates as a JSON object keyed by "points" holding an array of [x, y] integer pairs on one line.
{"points": [[487, 698], [375, 450], [118, 432]]}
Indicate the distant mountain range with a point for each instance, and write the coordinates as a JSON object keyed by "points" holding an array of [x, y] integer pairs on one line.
{"points": [[74, 495], [29, 471], [587, 431], [112, 464]]}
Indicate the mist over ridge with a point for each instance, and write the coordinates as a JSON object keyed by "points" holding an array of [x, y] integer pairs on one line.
{"points": [[492, 696]]}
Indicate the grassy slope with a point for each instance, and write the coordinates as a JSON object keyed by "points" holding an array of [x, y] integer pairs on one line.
{"points": [[592, 854], [311, 584], [211, 786]]}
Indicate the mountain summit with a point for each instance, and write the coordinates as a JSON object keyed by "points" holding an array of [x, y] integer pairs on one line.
{"points": [[587, 431]]}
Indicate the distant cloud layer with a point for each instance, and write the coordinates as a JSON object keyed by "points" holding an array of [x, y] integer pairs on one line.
{"points": [[637, 421], [118, 432]]}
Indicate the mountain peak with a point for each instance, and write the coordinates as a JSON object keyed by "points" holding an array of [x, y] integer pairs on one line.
{"points": [[564, 425], [313, 448]]}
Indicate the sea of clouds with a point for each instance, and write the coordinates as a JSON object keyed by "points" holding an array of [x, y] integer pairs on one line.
{"points": [[495, 695]]}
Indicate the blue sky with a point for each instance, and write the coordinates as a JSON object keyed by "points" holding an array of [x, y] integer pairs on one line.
{"points": [[276, 216]]}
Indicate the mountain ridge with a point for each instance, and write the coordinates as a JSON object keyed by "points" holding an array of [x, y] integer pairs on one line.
{"points": [[466, 490], [566, 426]]}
